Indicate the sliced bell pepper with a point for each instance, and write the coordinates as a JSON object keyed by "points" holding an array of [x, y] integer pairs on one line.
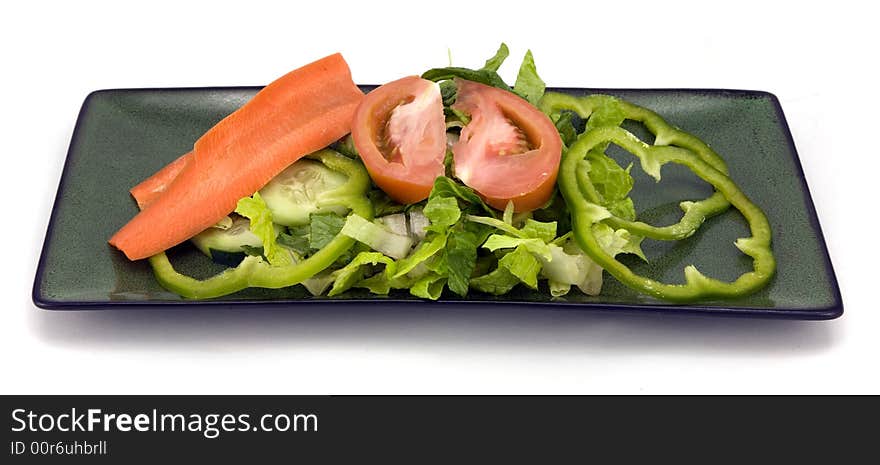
{"points": [[586, 214], [695, 212]]}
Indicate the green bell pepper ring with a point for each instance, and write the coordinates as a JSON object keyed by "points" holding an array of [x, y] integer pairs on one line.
{"points": [[256, 272], [695, 213], [585, 214]]}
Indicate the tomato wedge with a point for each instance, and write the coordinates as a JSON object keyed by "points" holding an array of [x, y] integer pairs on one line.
{"points": [[400, 133], [509, 151]]}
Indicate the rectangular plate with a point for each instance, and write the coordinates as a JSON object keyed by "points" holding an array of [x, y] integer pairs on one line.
{"points": [[123, 136]]}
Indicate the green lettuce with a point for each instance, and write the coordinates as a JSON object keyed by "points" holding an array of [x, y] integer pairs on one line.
{"points": [[533, 245], [528, 84], [612, 182], [424, 252], [460, 257], [353, 273], [447, 187], [492, 64], [429, 286], [309, 238], [570, 266], [565, 126], [255, 209], [442, 212], [323, 228], [518, 266], [376, 236]]}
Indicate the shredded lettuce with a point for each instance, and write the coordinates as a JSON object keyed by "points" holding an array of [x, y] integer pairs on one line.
{"points": [[492, 64], [522, 264], [533, 245], [382, 204], [376, 236], [442, 212], [565, 127], [447, 187], [498, 282], [532, 229], [612, 182], [483, 76], [429, 286], [351, 274], [546, 231], [426, 250], [495, 223], [316, 285], [518, 266], [255, 209], [323, 227], [297, 240], [528, 84], [460, 256], [508, 213], [570, 266], [308, 238]]}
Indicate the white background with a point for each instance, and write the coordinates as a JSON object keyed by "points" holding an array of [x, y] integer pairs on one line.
{"points": [[818, 61]]}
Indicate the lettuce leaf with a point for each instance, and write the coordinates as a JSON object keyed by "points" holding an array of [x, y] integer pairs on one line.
{"points": [[483, 76], [522, 264], [533, 245], [351, 274], [382, 204], [376, 236], [528, 84], [565, 127], [447, 187], [492, 64], [570, 266], [425, 251], [296, 239], [442, 212], [612, 182], [308, 238], [429, 286], [460, 256], [255, 209], [323, 228], [546, 231], [556, 211], [498, 282], [518, 266]]}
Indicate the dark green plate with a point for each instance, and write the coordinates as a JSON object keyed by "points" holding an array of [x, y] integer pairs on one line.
{"points": [[123, 136]]}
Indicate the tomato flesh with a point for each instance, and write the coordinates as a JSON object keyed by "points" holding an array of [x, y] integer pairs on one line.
{"points": [[400, 133], [509, 151]]}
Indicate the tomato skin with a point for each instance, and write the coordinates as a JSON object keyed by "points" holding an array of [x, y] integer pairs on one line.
{"points": [[510, 150], [399, 130]]}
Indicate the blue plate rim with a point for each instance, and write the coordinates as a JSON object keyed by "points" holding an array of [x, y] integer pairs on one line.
{"points": [[835, 310]]}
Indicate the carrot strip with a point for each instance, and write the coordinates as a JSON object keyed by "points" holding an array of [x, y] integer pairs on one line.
{"points": [[303, 111], [151, 188]]}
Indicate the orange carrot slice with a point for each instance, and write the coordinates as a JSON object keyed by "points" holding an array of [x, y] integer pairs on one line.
{"points": [[303, 111], [151, 188]]}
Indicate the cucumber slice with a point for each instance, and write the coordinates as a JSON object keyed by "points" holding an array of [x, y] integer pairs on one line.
{"points": [[230, 239], [297, 191]]}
